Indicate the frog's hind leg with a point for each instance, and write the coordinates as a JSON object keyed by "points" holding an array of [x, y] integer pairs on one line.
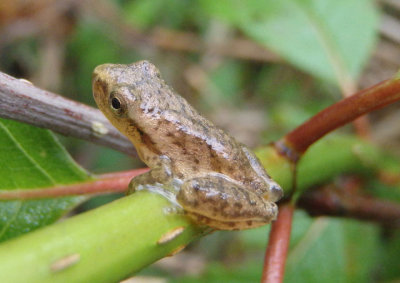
{"points": [[275, 192], [222, 203]]}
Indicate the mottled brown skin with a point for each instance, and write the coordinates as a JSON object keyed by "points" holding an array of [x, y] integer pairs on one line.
{"points": [[217, 180]]}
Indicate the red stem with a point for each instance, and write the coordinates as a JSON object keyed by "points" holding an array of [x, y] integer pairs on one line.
{"points": [[107, 183], [297, 141], [278, 245]]}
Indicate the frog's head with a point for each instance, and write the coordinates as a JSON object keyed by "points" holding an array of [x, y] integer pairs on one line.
{"points": [[120, 89]]}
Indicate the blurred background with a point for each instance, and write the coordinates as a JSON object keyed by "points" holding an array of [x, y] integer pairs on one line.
{"points": [[255, 68]]}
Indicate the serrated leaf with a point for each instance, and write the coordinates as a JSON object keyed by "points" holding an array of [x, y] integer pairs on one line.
{"points": [[330, 39], [32, 158]]}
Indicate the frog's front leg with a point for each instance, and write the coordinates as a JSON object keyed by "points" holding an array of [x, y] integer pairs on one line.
{"points": [[155, 177], [221, 203]]}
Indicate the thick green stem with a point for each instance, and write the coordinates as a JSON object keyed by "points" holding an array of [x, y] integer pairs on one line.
{"points": [[111, 242], [332, 156], [103, 245]]}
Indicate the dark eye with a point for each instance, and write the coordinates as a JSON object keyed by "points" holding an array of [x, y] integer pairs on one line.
{"points": [[115, 103]]}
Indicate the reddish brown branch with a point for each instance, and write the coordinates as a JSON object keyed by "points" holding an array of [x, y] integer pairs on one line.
{"points": [[278, 245], [334, 201], [348, 88], [297, 141], [107, 183]]}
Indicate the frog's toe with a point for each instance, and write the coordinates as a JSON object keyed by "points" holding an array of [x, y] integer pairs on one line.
{"points": [[275, 193]]}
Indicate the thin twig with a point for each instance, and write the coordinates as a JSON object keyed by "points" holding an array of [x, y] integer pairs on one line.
{"points": [[22, 101], [278, 245], [107, 183]]}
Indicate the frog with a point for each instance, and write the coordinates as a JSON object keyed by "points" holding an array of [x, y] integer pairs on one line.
{"points": [[215, 180]]}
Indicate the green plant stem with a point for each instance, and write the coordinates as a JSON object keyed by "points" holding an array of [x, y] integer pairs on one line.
{"points": [[105, 245], [327, 158], [120, 238], [331, 157]]}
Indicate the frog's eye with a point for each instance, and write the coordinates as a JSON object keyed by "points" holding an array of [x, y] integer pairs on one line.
{"points": [[115, 103]]}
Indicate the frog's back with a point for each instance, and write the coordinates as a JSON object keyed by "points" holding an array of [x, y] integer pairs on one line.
{"points": [[171, 126], [165, 113], [179, 124], [194, 143]]}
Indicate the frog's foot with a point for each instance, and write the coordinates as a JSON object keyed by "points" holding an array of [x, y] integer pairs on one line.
{"points": [[156, 181], [140, 182], [156, 177], [221, 203]]}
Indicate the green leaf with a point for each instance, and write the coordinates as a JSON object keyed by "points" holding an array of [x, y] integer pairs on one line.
{"points": [[330, 39], [32, 158], [332, 250]]}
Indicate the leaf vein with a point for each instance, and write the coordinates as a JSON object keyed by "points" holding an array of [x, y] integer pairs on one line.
{"points": [[27, 155], [8, 223]]}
